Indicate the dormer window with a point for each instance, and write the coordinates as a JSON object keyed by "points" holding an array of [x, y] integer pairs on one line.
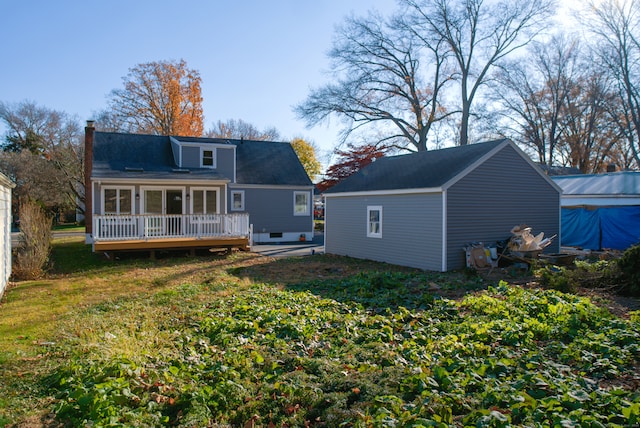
{"points": [[207, 158]]}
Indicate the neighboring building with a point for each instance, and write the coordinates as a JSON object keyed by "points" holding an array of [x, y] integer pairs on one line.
{"points": [[152, 192], [422, 209], [5, 231], [600, 211]]}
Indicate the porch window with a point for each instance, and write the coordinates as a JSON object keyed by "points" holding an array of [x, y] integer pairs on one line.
{"points": [[207, 158], [301, 203], [204, 201], [117, 201], [153, 201], [374, 221], [237, 200]]}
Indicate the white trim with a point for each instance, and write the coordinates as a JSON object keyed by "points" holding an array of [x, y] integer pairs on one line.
{"points": [[385, 192], [444, 232], [205, 144], [204, 190], [117, 189], [159, 181], [214, 157], [164, 197], [269, 186], [307, 211], [231, 205], [377, 234]]}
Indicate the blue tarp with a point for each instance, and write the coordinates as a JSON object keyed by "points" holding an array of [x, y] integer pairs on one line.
{"points": [[598, 228]]}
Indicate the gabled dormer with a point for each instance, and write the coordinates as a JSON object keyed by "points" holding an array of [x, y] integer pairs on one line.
{"points": [[215, 154]]}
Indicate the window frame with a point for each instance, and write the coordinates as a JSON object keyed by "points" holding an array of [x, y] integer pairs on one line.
{"points": [[132, 191], [204, 190], [213, 157], [307, 211], [232, 206], [370, 233]]}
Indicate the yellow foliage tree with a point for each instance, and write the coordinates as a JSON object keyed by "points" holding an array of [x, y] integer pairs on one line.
{"points": [[307, 155]]}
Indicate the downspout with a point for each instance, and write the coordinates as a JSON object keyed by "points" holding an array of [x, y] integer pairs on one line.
{"points": [[88, 189]]}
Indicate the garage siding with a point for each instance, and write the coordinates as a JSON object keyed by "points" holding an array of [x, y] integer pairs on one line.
{"points": [[411, 229], [502, 192]]}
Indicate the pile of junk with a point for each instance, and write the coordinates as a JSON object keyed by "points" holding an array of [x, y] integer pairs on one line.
{"points": [[521, 247]]}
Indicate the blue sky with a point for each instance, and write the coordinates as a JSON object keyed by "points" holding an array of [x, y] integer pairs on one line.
{"points": [[256, 58]]}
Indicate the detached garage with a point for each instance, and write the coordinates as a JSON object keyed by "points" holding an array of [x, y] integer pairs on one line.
{"points": [[600, 211], [5, 231], [420, 210]]}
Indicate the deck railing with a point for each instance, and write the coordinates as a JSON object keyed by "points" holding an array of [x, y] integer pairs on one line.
{"points": [[156, 226]]}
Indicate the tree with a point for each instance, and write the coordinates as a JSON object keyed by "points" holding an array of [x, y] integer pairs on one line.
{"points": [[349, 162], [534, 93], [479, 34], [161, 97], [238, 128], [385, 75], [307, 154], [43, 153], [616, 24]]}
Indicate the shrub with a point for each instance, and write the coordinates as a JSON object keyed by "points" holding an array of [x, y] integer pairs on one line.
{"points": [[629, 265], [33, 251], [600, 274]]}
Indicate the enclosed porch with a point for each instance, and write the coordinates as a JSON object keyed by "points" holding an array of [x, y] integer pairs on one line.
{"points": [[170, 231]]}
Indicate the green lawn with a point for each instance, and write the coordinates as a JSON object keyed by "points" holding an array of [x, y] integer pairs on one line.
{"points": [[244, 340]]}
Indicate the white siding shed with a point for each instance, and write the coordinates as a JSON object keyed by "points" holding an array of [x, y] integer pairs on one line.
{"points": [[5, 231]]}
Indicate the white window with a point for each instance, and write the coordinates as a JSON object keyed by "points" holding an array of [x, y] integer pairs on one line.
{"points": [[117, 201], [301, 203], [207, 158], [204, 201], [374, 221], [237, 200]]}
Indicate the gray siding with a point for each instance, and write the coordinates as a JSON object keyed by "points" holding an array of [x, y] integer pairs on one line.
{"points": [[191, 157], [225, 160], [503, 192], [271, 210], [411, 229]]}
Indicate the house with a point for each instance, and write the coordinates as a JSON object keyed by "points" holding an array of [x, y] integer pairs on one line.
{"points": [[600, 211], [150, 192], [5, 231], [422, 209]]}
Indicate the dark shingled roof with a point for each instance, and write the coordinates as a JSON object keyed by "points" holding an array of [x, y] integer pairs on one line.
{"points": [[430, 169], [140, 156], [266, 162]]}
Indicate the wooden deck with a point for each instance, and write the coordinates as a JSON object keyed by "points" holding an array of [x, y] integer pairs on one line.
{"points": [[172, 244]]}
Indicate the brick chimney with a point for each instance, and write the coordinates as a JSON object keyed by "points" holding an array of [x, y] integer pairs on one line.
{"points": [[612, 167], [88, 168]]}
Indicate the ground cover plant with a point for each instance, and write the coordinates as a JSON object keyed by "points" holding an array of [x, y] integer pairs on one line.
{"points": [[317, 341]]}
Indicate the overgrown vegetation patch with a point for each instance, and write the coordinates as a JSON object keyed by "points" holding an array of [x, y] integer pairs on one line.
{"points": [[377, 349]]}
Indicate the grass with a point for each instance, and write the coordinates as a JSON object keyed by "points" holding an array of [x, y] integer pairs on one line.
{"points": [[249, 340]]}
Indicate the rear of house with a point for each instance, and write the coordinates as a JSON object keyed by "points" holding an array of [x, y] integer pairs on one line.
{"points": [[5, 231], [148, 192], [421, 210]]}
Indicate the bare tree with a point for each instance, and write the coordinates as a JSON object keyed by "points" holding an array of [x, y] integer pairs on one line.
{"points": [[590, 138], [534, 94], [48, 153], [238, 128], [479, 34], [161, 97], [616, 23], [385, 75]]}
